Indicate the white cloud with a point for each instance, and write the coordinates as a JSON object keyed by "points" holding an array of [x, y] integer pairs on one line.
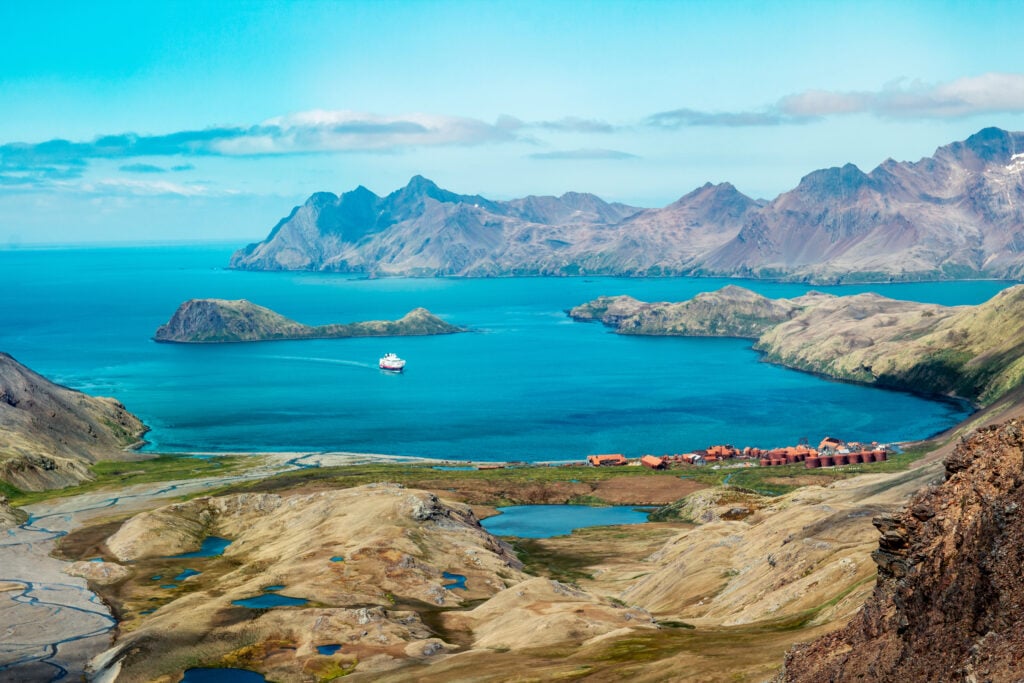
{"points": [[989, 93]]}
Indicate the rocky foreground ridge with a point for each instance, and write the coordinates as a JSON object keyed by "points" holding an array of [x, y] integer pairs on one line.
{"points": [[948, 602], [970, 352], [49, 434], [956, 214], [219, 320]]}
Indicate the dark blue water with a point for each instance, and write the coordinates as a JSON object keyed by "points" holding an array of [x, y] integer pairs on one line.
{"points": [[222, 676], [337, 558], [212, 547], [185, 574], [529, 384], [544, 521], [274, 588], [269, 600], [328, 649]]}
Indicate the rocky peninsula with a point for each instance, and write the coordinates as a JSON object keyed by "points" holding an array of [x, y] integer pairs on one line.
{"points": [[213, 321], [866, 338]]}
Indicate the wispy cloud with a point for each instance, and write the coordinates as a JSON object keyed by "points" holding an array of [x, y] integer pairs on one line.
{"points": [[580, 154], [684, 118], [150, 188], [302, 133], [142, 168], [34, 165], [989, 93], [575, 124]]}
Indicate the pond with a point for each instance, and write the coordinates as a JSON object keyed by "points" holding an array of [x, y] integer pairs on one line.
{"points": [[270, 600], [212, 546], [544, 521], [222, 676], [457, 581]]}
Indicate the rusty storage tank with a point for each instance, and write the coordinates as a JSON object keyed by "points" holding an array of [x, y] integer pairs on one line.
{"points": [[826, 461], [881, 456], [812, 461], [854, 458], [765, 462]]}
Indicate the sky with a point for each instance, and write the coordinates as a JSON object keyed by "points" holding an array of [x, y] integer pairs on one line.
{"points": [[187, 121]]}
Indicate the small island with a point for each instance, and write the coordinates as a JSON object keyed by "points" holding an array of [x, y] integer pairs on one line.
{"points": [[216, 321]]}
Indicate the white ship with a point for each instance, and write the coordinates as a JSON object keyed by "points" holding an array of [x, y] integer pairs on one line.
{"points": [[391, 362]]}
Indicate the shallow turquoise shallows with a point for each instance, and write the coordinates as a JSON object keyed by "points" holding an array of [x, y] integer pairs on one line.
{"points": [[544, 521], [526, 384]]}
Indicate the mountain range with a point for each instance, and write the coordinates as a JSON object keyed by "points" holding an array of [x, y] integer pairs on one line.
{"points": [[956, 214]]}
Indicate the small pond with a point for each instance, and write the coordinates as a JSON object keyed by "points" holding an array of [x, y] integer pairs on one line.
{"points": [[454, 468], [544, 521], [212, 547], [269, 600], [186, 573], [457, 581], [337, 558], [328, 649], [222, 676]]}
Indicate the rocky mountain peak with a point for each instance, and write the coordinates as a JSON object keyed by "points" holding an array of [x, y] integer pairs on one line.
{"points": [[989, 146], [834, 183]]}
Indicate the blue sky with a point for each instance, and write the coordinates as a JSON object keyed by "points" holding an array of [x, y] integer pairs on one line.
{"points": [[183, 121]]}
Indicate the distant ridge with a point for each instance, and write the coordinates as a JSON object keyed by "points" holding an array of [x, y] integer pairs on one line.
{"points": [[957, 214]]}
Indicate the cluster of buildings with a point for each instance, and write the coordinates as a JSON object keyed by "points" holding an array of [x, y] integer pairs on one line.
{"points": [[829, 453]]}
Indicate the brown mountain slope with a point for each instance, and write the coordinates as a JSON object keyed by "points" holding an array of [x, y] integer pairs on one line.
{"points": [[49, 433], [947, 603]]}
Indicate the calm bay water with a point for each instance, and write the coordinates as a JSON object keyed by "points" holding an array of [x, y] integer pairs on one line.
{"points": [[526, 384]]}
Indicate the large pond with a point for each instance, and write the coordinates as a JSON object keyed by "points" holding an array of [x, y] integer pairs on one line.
{"points": [[526, 384], [544, 521]]}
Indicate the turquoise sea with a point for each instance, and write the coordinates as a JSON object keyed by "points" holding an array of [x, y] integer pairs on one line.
{"points": [[526, 384]]}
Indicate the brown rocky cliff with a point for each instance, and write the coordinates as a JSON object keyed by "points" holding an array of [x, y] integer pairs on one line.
{"points": [[950, 592]]}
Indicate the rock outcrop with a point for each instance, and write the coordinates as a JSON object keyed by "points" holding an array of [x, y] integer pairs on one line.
{"points": [[210, 321], [10, 516], [947, 605], [956, 214], [49, 434], [867, 338]]}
